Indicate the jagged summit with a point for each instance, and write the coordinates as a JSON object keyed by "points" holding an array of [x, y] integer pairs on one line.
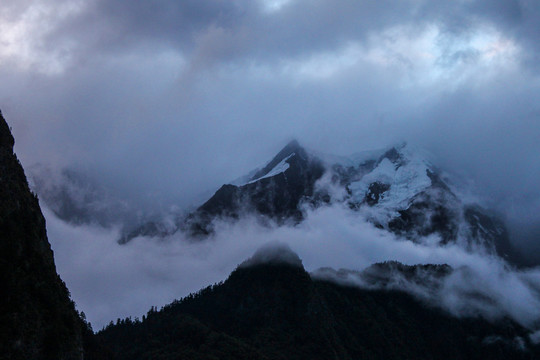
{"points": [[291, 149], [393, 179], [276, 192]]}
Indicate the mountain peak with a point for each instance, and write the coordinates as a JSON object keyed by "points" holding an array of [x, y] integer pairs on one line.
{"points": [[293, 144], [291, 149], [274, 253], [398, 154]]}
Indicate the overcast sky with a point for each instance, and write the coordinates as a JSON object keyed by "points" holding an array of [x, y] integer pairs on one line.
{"points": [[178, 97], [185, 95]]}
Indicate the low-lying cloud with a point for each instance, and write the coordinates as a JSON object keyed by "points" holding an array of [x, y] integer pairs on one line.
{"points": [[110, 281]]}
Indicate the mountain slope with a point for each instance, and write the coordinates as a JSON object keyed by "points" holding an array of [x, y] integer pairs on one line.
{"points": [[37, 318], [276, 191], [403, 192], [272, 309]]}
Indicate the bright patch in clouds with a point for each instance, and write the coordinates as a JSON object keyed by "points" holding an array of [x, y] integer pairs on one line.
{"points": [[432, 55], [324, 66], [271, 6], [21, 36], [423, 58]]}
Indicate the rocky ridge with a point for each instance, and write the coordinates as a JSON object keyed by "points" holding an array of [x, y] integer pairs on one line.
{"points": [[37, 318]]}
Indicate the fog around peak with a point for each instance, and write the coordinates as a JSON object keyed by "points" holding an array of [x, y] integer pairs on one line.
{"points": [[273, 253]]}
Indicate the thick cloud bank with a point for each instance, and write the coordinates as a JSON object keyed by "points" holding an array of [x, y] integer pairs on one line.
{"points": [[108, 280]]}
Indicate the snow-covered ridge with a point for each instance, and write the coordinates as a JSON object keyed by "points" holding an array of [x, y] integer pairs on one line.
{"points": [[278, 169], [405, 177], [396, 188]]}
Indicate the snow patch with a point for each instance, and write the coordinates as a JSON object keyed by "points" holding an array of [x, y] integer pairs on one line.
{"points": [[242, 180], [278, 169], [405, 181]]}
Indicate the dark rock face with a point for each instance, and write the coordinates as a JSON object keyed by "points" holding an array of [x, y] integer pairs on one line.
{"points": [[147, 229], [430, 212], [277, 311], [37, 318], [292, 147], [437, 210], [375, 191], [394, 156], [489, 231], [277, 197]]}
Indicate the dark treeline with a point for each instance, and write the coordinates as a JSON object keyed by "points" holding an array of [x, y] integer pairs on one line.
{"points": [[280, 312]]}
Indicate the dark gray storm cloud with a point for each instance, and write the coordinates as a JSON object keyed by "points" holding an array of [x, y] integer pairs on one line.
{"points": [[243, 31], [167, 99], [212, 30]]}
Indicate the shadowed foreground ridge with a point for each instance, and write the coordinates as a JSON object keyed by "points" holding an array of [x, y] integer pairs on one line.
{"points": [[275, 310], [37, 318]]}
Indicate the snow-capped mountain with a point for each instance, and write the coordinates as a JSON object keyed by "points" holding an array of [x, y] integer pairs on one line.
{"points": [[276, 191], [398, 189], [403, 192]]}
